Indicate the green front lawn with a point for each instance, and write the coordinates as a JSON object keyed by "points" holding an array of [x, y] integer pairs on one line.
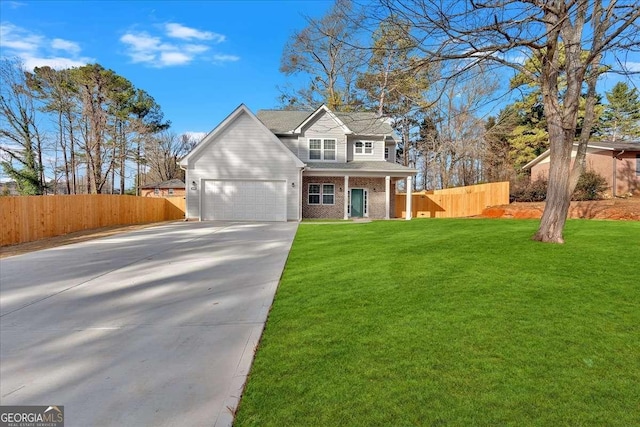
{"points": [[452, 323]]}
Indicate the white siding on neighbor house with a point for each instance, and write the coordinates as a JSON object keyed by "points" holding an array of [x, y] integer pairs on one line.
{"points": [[378, 148], [323, 127], [244, 151]]}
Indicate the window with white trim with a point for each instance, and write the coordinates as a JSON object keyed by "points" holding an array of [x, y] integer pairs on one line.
{"points": [[364, 147], [314, 194], [328, 194], [156, 191], [386, 153], [322, 149], [171, 191], [321, 194]]}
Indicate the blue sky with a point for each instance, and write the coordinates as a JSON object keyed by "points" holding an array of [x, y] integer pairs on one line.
{"points": [[198, 59]]}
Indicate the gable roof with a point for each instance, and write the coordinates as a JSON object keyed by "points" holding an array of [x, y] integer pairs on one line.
{"points": [[359, 123], [211, 136], [172, 183], [322, 109], [598, 145]]}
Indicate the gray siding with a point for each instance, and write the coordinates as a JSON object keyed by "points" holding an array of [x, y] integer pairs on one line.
{"points": [[378, 148], [244, 150], [323, 127], [392, 152]]}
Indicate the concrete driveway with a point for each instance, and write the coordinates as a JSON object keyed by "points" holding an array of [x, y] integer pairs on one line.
{"points": [[153, 327]]}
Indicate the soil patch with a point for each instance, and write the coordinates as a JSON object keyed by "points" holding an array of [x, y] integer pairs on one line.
{"points": [[615, 209], [75, 237]]}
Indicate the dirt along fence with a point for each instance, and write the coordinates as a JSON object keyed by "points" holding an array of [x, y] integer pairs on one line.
{"points": [[29, 218], [454, 202]]}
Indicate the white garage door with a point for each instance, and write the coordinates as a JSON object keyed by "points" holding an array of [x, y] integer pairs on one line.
{"points": [[244, 200]]}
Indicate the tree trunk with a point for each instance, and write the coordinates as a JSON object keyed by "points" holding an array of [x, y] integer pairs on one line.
{"points": [[560, 186]]}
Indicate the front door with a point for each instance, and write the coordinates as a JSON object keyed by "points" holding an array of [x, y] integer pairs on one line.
{"points": [[357, 202]]}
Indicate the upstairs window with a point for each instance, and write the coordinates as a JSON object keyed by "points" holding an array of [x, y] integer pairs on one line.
{"points": [[171, 191], [364, 147], [386, 153], [322, 149]]}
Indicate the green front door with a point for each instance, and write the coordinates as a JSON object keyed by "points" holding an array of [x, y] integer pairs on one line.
{"points": [[357, 203]]}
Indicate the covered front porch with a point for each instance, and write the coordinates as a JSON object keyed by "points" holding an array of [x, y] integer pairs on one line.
{"points": [[328, 192]]}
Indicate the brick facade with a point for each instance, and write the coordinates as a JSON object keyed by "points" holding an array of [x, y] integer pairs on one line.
{"points": [[627, 180], [376, 196]]}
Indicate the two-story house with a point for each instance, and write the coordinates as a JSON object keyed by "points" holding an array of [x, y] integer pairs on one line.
{"points": [[287, 165]]}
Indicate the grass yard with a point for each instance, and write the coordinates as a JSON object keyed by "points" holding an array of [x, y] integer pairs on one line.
{"points": [[452, 323]]}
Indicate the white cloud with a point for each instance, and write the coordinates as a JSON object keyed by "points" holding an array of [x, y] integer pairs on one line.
{"points": [[57, 63], [174, 58], [195, 136], [196, 48], [632, 66], [179, 31], [15, 38], [66, 45], [36, 50], [173, 48], [15, 4], [225, 58], [141, 41]]}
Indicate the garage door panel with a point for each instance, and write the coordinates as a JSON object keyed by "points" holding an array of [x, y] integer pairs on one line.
{"points": [[241, 200]]}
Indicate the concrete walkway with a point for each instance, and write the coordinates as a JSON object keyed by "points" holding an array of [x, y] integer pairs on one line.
{"points": [[152, 327]]}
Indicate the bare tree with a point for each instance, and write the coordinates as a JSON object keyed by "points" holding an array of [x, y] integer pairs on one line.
{"points": [[567, 38], [323, 52], [452, 136], [162, 153]]}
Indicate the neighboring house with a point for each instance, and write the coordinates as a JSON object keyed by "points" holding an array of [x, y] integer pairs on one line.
{"points": [[617, 162], [9, 188], [289, 165], [173, 187]]}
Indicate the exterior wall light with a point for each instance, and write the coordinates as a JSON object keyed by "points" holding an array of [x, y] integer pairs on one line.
{"points": [[194, 185]]}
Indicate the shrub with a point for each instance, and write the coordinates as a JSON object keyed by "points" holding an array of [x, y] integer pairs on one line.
{"points": [[534, 191], [591, 186]]}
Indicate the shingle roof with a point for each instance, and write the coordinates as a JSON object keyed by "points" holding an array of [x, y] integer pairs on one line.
{"points": [[364, 123], [607, 145], [172, 183], [623, 145], [282, 121], [361, 123]]}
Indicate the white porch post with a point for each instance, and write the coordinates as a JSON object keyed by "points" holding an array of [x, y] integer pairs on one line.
{"points": [[346, 197], [409, 197], [387, 195]]}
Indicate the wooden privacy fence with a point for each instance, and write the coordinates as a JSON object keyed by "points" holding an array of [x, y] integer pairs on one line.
{"points": [[454, 202], [29, 218]]}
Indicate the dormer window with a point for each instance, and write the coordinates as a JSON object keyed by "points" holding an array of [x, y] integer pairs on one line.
{"points": [[322, 149], [364, 147]]}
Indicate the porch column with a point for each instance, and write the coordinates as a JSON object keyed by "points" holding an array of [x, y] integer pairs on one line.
{"points": [[346, 197], [387, 195], [409, 196]]}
